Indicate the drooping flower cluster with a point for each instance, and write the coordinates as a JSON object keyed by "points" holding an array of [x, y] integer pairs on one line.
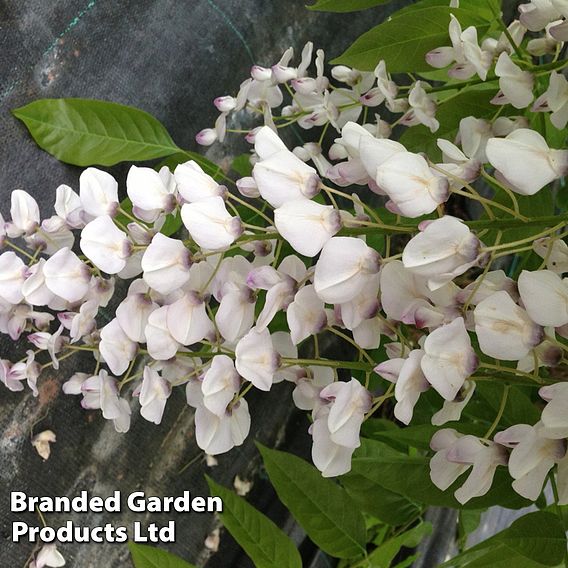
{"points": [[260, 269]]}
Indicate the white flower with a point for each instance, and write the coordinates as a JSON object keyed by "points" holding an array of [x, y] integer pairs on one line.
{"points": [[422, 109], [256, 359], [48, 556], [154, 394], [41, 442], [537, 13], [105, 245], [363, 307], [444, 249], [345, 266], [101, 391], [449, 358], [412, 186], [220, 384], [98, 191], [210, 224], [556, 100], [12, 277], [557, 258], [306, 225], [84, 322], [194, 184], [545, 297], [187, 319], [465, 51], [526, 161], [306, 395], [504, 330], [50, 342], [25, 214], [515, 84], [116, 347], [159, 341], [281, 285], [486, 285], [66, 275], [455, 454], [305, 315], [330, 458], [409, 380], [68, 206], [452, 409], [532, 457], [133, 313], [554, 413], [280, 175], [151, 192], [235, 314], [217, 435], [166, 264], [349, 403]]}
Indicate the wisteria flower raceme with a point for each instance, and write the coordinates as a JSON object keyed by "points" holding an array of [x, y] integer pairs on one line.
{"points": [[263, 271]]}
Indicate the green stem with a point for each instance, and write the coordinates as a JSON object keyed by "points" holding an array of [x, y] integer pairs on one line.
{"points": [[530, 239], [251, 207], [499, 412], [500, 369], [345, 337], [492, 181], [352, 365]]}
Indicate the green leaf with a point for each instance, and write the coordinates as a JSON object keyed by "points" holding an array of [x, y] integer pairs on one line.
{"points": [[470, 102], [385, 553], [484, 8], [404, 39], [519, 408], [536, 539], [144, 556], [410, 476], [345, 5], [324, 510], [260, 538], [241, 164], [86, 132], [469, 520], [385, 505]]}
